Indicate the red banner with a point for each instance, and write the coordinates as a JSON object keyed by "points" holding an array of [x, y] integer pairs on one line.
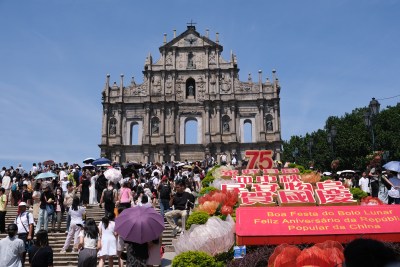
{"points": [[275, 225]]}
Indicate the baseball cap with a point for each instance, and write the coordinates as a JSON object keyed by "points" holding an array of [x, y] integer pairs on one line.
{"points": [[21, 204]]}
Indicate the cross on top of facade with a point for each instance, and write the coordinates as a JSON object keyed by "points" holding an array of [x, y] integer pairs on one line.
{"points": [[191, 23]]}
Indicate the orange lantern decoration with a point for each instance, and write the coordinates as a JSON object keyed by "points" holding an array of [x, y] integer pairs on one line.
{"points": [[313, 256]]}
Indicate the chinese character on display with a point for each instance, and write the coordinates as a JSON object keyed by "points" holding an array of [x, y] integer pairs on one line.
{"points": [[265, 187], [230, 173], [289, 178], [270, 171], [266, 179], [330, 185], [334, 196], [250, 171], [253, 198], [304, 197], [238, 187], [298, 186], [244, 179], [291, 170]]}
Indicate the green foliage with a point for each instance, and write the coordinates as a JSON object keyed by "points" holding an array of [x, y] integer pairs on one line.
{"points": [[358, 194], [325, 178], [224, 257], [197, 217], [209, 177], [207, 189], [352, 143], [195, 259]]}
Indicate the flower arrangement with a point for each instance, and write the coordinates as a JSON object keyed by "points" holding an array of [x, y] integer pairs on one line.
{"points": [[218, 202], [371, 201]]}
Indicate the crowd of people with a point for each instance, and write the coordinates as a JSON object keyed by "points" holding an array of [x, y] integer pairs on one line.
{"points": [[43, 204]]}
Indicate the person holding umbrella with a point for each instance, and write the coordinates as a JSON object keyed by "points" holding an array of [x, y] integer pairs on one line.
{"points": [[137, 226]]}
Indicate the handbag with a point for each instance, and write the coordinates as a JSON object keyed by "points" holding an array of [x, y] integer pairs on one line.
{"points": [[50, 209]]}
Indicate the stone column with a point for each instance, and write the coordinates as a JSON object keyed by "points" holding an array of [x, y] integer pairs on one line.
{"points": [[104, 136], [234, 132], [119, 128], [207, 124], [146, 126], [218, 118], [162, 122]]}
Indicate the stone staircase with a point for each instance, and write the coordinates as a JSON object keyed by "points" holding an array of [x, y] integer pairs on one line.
{"points": [[57, 240]]}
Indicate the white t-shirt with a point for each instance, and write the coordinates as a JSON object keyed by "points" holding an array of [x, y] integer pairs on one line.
{"points": [[363, 183], [76, 215], [10, 251], [64, 185], [22, 222], [6, 183], [62, 174], [87, 241]]}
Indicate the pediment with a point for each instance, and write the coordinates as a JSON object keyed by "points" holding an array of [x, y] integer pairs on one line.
{"points": [[190, 38]]}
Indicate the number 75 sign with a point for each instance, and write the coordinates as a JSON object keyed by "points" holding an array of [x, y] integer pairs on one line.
{"points": [[261, 159]]}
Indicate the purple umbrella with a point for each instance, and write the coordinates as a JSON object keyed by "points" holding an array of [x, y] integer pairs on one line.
{"points": [[139, 224]]}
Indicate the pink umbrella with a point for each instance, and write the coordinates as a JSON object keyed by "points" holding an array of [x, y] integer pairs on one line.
{"points": [[139, 224]]}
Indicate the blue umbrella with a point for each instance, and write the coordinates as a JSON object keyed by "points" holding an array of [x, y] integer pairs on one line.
{"points": [[101, 161], [45, 175], [392, 166]]}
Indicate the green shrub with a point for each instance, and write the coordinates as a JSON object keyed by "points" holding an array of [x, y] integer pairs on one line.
{"points": [[358, 194], [207, 189], [325, 178], [292, 165], [197, 217], [209, 177], [224, 257], [195, 259]]}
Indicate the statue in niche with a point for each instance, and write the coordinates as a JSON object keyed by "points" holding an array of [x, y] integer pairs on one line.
{"points": [[191, 90], [212, 57], [156, 84], [190, 64], [155, 127], [168, 60], [225, 126], [213, 82], [113, 126], [168, 85], [270, 126]]}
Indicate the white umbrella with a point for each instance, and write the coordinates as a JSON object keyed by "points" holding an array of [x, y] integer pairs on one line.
{"points": [[113, 175]]}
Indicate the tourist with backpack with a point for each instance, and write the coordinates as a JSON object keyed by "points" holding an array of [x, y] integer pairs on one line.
{"points": [[109, 198], [25, 224], [164, 192]]}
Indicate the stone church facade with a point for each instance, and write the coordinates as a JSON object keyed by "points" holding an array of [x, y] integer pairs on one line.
{"points": [[190, 84]]}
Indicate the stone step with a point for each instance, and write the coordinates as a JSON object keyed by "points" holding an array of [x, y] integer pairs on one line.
{"points": [[57, 240]]}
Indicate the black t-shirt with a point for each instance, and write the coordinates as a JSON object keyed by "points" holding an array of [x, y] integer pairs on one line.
{"points": [[41, 256], [180, 200], [44, 197]]}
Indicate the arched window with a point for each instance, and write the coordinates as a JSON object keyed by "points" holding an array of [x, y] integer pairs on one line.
{"points": [[191, 126], [226, 127], [112, 127], [269, 123], [155, 126], [190, 88], [248, 131], [135, 134]]}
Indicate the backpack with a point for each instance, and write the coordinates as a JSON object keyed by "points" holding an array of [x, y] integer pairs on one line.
{"points": [[165, 191], [109, 196], [14, 187]]}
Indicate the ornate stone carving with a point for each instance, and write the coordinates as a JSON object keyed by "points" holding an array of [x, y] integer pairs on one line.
{"points": [[225, 83], [168, 59], [168, 85], [212, 58]]}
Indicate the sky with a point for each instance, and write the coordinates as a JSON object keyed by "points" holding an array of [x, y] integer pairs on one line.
{"points": [[331, 57]]}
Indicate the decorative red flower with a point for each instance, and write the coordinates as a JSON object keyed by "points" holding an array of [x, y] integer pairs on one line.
{"points": [[226, 210]]}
